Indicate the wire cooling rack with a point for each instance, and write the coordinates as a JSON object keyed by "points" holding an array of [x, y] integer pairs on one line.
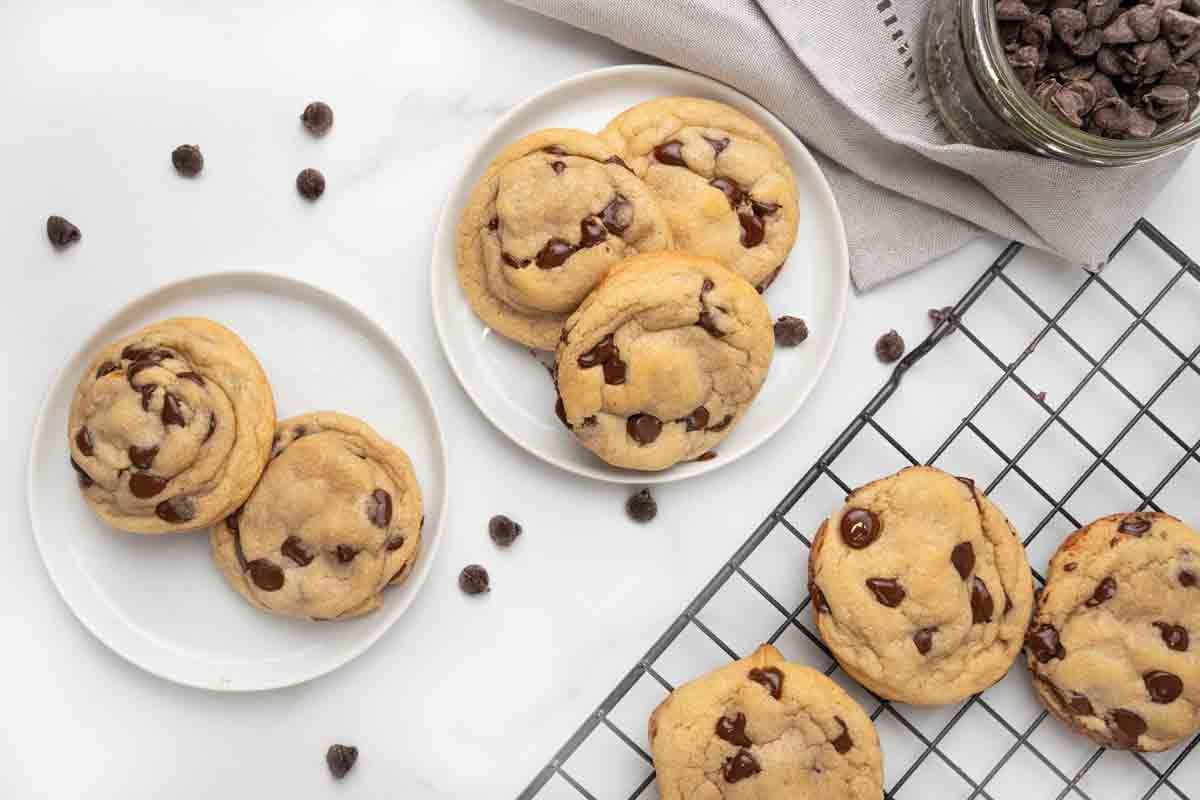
{"points": [[1060, 436]]}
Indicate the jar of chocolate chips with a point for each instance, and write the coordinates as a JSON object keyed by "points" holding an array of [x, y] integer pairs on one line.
{"points": [[1106, 82]]}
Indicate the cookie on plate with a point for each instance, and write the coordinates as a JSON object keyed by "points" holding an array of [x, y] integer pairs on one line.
{"points": [[546, 221], [763, 728], [170, 427], [723, 182], [662, 360], [1114, 645], [335, 519], [921, 587]]}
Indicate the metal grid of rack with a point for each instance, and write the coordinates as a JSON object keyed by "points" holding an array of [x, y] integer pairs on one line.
{"points": [[1000, 743]]}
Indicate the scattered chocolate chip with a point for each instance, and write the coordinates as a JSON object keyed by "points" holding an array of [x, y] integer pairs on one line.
{"points": [[641, 507], [172, 411], [310, 183], [85, 480], [379, 508], [295, 549], [887, 591], [317, 118], [939, 315], [923, 639], [1134, 525], [982, 606], [142, 457], [771, 679], [1105, 591], [963, 558], [187, 160], [843, 742], [1174, 637], [1043, 642], [697, 420], [670, 153], [790, 331], [143, 485], [106, 368], [60, 232], [474, 579], [175, 510], [890, 347], [860, 528], [1164, 687], [340, 759], [503, 530], [643, 428], [733, 730], [1128, 727], [740, 766], [345, 553], [83, 440]]}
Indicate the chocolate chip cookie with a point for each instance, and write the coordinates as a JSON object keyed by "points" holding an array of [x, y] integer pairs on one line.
{"points": [[723, 182], [170, 427], [763, 728], [335, 519], [921, 587], [662, 360], [546, 221], [1114, 645]]}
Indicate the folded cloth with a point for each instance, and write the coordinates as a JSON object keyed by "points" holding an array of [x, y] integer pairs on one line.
{"points": [[848, 77]]}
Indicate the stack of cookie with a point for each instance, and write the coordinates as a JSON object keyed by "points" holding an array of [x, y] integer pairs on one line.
{"points": [[922, 591], [173, 429], [638, 256]]}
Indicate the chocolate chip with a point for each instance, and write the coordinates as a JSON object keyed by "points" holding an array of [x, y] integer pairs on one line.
{"points": [[887, 591], [1043, 642], [591, 232], [399, 572], [212, 426], [266, 575], [722, 425], [740, 766], [187, 160], [554, 150], [641, 507], [83, 440], [394, 543], [142, 457], [766, 284], [1164, 687], [85, 480], [982, 606], [790, 331], [733, 193], [1070, 567], [709, 324], [554, 253], [379, 508], [514, 263], [503, 530], [670, 153], [818, 599], [1135, 525], [317, 118], [923, 639], [310, 183], [144, 485], [706, 456], [194, 377], [963, 558], [843, 742], [299, 432], [1128, 727], [1079, 704], [753, 229], [474, 579], [620, 162], [761, 208], [697, 420], [132, 352], [718, 145], [1105, 591], [345, 553], [617, 215], [643, 428], [139, 366], [733, 730], [890, 347], [1174, 636], [558, 167], [614, 372], [147, 392], [493, 224], [771, 678], [1187, 579], [939, 315], [561, 412], [175, 509], [106, 368], [294, 548], [340, 759], [860, 528], [602, 352], [172, 411], [60, 232]]}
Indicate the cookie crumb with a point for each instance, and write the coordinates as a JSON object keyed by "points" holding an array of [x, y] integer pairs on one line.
{"points": [[317, 118], [1041, 397], [503, 530], [890, 347], [340, 758], [642, 506], [60, 232], [188, 160], [474, 579], [790, 331], [310, 183]]}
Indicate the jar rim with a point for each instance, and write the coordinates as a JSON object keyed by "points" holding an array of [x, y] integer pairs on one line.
{"points": [[1039, 129]]}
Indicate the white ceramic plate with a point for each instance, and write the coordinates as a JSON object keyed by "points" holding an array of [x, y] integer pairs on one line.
{"points": [[159, 601], [511, 387]]}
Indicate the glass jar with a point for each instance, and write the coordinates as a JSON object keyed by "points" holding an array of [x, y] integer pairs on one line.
{"points": [[982, 102]]}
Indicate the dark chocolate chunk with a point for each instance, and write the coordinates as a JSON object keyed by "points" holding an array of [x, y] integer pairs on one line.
{"points": [[142, 457], [83, 440], [1079, 704], [474, 579], [175, 510], [982, 606], [172, 411], [1174, 636], [295, 549], [790, 331], [345, 553], [771, 678], [670, 153], [887, 591], [890, 347], [923, 639], [740, 766], [733, 730], [394, 543], [514, 263], [963, 558], [843, 742], [1164, 687], [591, 232], [266, 575], [1126, 727], [310, 183], [503, 530], [643, 428], [697, 420], [860, 528], [554, 253], [1043, 642], [106, 368], [317, 118], [1105, 591], [187, 160], [1187, 579], [641, 507], [340, 759], [143, 485], [733, 193], [379, 508], [753, 229], [617, 215], [60, 232]]}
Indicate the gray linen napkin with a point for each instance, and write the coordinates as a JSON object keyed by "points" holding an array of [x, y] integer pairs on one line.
{"points": [[848, 77]]}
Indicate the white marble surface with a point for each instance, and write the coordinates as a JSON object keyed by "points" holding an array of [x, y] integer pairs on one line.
{"points": [[464, 698]]}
